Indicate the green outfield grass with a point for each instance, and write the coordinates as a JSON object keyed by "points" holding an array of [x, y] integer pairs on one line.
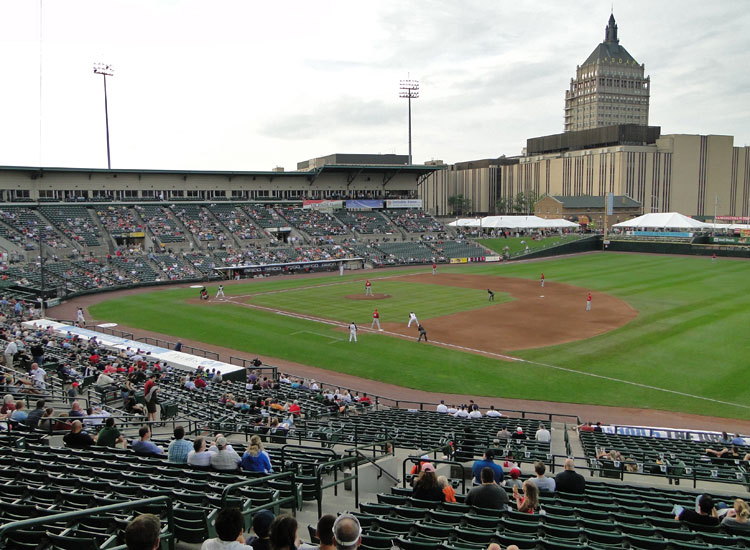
{"points": [[515, 246], [690, 335]]}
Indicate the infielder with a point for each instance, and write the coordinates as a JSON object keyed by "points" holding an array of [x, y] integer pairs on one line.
{"points": [[220, 292], [588, 302], [368, 288], [376, 320], [542, 280], [492, 295], [352, 332], [412, 319]]}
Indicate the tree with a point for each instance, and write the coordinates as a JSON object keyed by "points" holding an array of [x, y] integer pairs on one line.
{"points": [[502, 205], [459, 204]]}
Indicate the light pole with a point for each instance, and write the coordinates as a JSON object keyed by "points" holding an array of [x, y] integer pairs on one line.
{"points": [[409, 89], [105, 70]]}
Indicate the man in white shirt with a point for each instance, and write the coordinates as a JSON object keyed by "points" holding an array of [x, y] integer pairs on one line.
{"points": [[452, 410], [38, 376], [461, 413], [476, 413], [10, 351], [542, 434], [412, 319], [352, 332], [441, 408], [492, 413]]}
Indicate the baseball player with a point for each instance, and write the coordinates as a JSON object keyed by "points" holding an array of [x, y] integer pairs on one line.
{"points": [[492, 295], [434, 269], [542, 280], [412, 319], [352, 332], [422, 332], [341, 269], [368, 288], [376, 320], [713, 258], [81, 320], [588, 302], [220, 292]]}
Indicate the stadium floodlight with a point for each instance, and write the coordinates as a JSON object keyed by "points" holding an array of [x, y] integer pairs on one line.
{"points": [[105, 70], [409, 89]]}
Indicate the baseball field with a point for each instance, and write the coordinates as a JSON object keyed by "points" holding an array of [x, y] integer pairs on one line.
{"points": [[665, 332]]}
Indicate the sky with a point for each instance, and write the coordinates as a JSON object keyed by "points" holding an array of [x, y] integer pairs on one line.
{"points": [[250, 85]]}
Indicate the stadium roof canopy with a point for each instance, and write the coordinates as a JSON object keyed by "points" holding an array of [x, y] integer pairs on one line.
{"points": [[664, 220], [513, 222]]}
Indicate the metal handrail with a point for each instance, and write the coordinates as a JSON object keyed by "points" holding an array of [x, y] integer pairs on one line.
{"points": [[119, 507], [319, 486], [418, 459], [294, 499]]}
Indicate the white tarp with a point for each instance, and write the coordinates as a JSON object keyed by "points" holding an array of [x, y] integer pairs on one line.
{"points": [[513, 222], [664, 220]]}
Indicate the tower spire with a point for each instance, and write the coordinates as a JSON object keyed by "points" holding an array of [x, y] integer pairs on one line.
{"points": [[610, 33]]}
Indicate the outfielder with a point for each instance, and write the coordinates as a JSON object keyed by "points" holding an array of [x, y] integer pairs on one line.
{"points": [[352, 332], [542, 280], [434, 269], [220, 292], [588, 302], [412, 319], [376, 320], [368, 288]]}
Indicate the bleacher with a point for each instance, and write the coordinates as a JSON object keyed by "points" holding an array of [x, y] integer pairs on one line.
{"points": [[265, 216], [161, 222], [458, 249], [414, 221], [199, 222], [236, 221], [313, 222], [74, 221], [27, 222], [365, 222], [402, 253]]}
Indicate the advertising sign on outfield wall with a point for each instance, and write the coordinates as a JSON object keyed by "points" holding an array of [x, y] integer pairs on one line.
{"points": [[492, 258], [404, 203]]}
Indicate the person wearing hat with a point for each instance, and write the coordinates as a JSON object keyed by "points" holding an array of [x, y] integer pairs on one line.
{"points": [[229, 526], [518, 434], [347, 532], [417, 468], [262, 529], [225, 458], [513, 479], [427, 487]]}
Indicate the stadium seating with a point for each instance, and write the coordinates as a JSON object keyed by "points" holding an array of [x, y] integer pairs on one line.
{"points": [[162, 223], [75, 222]]}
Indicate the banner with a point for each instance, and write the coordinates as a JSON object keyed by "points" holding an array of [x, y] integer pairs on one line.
{"points": [[361, 204], [659, 233], [744, 232], [459, 260], [404, 203], [492, 259], [733, 218], [730, 240], [323, 204]]}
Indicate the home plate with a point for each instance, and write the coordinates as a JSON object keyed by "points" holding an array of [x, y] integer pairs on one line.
{"points": [[196, 286]]}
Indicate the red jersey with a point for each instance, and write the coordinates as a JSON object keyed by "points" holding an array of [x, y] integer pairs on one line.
{"points": [[542, 276], [375, 315], [368, 283], [147, 387], [434, 266], [588, 298]]}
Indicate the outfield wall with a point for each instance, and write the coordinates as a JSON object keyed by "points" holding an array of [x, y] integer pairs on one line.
{"points": [[651, 247]]}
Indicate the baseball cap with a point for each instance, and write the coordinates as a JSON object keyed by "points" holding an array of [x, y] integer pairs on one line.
{"points": [[75, 384], [515, 473], [221, 442], [519, 429], [262, 522], [428, 467]]}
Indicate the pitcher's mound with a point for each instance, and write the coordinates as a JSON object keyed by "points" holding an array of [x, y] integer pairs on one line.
{"points": [[375, 296]]}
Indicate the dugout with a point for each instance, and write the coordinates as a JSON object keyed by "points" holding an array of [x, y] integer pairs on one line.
{"points": [[289, 268]]}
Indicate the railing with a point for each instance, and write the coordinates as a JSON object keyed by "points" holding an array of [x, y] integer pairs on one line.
{"points": [[388, 448], [105, 330], [342, 462], [248, 364], [184, 348], [418, 459], [120, 507], [295, 499]]}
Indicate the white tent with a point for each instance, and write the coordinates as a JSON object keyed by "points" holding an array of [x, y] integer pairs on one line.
{"points": [[465, 222], [665, 220], [512, 222]]}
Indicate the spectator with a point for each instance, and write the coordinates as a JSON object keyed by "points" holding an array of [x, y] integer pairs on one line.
{"points": [[448, 490], [255, 459], [261, 526], [225, 457], [570, 481], [492, 413], [324, 533], [75, 410], [32, 420], [514, 474], [738, 440], [19, 413], [347, 533], [143, 533], [144, 445], [442, 408], [542, 434], [283, 533], [229, 526], [109, 436], [706, 514], [489, 494], [179, 448], [77, 438], [530, 499], [518, 434], [199, 456], [9, 404], [737, 519], [487, 462], [543, 483], [426, 486]]}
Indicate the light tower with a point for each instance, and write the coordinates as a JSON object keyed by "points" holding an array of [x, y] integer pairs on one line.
{"points": [[105, 70], [409, 89]]}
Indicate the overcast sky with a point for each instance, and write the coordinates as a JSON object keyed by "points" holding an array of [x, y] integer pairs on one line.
{"points": [[241, 85]]}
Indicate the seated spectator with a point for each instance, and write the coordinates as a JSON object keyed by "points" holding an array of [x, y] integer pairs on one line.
{"points": [[324, 533], [426, 487], [229, 526], [347, 532], [77, 438], [255, 459], [75, 410], [442, 407], [706, 514], [131, 406], [19, 414], [179, 448], [486, 462], [47, 421], [143, 533], [448, 490], [543, 483], [738, 519], [199, 456], [261, 526], [225, 458], [504, 433], [530, 500], [518, 434], [611, 455], [489, 494], [492, 413], [104, 380], [109, 436], [143, 445], [283, 533], [542, 434], [570, 481], [33, 418], [738, 440], [733, 452], [9, 404], [513, 478]]}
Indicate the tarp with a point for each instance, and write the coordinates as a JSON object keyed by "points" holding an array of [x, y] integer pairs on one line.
{"points": [[664, 220], [513, 222]]}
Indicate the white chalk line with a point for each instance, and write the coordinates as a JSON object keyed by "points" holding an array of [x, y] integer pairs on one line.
{"points": [[318, 334]]}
